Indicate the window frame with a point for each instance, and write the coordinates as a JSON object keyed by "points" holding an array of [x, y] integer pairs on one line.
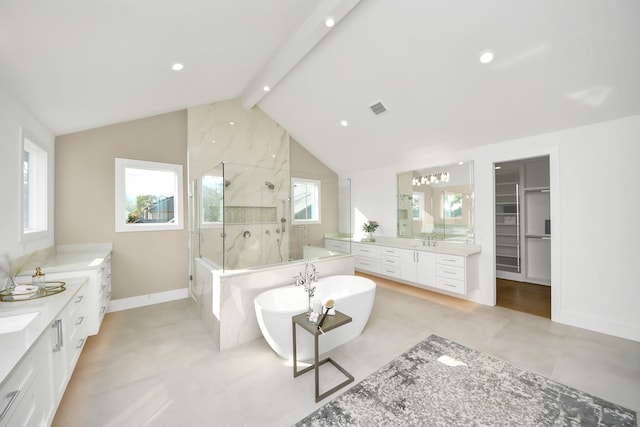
{"points": [[121, 225], [317, 219], [201, 216], [420, 198], [37, 205], [446, 205]]}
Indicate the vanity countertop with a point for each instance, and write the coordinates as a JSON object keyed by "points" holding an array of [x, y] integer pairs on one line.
{"points": [[71, 258], [442, 247], [15, 344]]}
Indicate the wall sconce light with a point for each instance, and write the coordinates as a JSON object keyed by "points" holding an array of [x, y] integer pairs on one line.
{"points": [[434, 178]]}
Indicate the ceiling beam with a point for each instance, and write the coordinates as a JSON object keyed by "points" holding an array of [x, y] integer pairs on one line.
{"points": [[294, 48]]}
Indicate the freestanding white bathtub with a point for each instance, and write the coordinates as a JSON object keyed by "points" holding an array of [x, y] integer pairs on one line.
{"points": [[352, 295]]}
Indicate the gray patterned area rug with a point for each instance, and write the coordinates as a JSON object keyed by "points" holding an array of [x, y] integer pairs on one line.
{"points": [[442, 383]]}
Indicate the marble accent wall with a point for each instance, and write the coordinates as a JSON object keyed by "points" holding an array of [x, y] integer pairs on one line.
{"points": [[254, 139], [256, 152]]}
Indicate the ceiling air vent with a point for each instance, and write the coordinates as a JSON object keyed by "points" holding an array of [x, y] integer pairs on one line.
{"points": [[378, 108]]}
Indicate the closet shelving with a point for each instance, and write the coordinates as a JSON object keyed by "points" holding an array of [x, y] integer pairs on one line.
{"points": [[508, 256], [537, 225]]}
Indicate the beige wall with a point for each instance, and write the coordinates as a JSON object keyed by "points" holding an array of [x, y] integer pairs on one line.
{"points": [[142, 262], [306, 165]]}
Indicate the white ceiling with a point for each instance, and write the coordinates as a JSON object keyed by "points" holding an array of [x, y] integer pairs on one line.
{"points": [[79, 64]]}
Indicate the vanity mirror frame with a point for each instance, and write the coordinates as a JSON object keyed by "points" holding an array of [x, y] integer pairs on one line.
{"points": [[437, 203]]}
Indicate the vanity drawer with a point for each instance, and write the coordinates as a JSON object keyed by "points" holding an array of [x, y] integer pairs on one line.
{"points": [[453, 260], [449, 272], [367, 264], [390, 261], [390, 271], [370, 251], [451, 285], [390, 251]]}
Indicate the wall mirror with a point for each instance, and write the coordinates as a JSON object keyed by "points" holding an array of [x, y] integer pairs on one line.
{"points": [[437, 202]]}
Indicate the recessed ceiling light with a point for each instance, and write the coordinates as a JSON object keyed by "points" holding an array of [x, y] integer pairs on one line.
{"points": [[329, 21], [486, 57], [266, 88], [461, 163], [213, 141], [177, 66], [344, 123], [273, 155], [232, 123]]}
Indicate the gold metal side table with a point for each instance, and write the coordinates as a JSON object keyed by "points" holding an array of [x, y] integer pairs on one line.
{"points": [[330, 323]]}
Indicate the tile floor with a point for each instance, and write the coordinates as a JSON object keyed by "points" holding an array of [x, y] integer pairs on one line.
{"points": [[156, 366]]}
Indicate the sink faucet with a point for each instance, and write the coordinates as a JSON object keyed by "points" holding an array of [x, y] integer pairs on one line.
{"points": [[429, 241]]}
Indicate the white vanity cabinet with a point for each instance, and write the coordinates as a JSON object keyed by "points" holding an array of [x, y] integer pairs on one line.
{"points": [[68, 333], [18, 401], [39, 359], [98, 292], [458, 274], [451, 273], [390, 261], [367, 257], [449, 269], [418, 267]]}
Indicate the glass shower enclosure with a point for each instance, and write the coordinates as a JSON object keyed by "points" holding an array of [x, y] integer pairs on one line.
{"points": [[243, 217]]}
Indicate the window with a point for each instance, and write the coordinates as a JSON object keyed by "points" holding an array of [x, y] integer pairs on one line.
{"points": [[417, 206], [452, 205], [34, 188], [211, 200], [306, 201], [148, 196]]}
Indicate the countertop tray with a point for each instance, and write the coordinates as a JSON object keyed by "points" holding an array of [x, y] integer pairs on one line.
{"points": [[51, 288]]}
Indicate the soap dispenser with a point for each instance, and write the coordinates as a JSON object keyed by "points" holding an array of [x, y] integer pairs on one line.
{"points": [[38, 279]]}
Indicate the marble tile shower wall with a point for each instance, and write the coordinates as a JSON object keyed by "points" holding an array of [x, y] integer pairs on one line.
{"points": [[255, 150]]}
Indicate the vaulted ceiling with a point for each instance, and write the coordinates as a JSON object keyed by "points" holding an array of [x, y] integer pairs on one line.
{"points": [[78, 64]]}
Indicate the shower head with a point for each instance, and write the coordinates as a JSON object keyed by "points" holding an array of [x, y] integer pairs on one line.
{"points": [[269, 185]]}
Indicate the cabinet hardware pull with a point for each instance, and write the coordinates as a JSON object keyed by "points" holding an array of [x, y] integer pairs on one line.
{"points": [[80, 343], [102, 309], [80, 320], [80, 298], [57, 325], [13, 395], [448, 272]]}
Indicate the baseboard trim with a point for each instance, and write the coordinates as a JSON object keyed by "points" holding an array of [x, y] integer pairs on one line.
{"points": [[149, 299]]}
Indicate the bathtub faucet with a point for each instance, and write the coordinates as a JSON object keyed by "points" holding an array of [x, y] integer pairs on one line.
{"points": [[307, 279]]}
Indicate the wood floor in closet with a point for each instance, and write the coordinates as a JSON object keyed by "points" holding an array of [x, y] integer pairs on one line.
{"points": [[525, 297]]}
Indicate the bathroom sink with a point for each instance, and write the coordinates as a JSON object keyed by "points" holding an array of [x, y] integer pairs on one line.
{"points": [[14, 322]]}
